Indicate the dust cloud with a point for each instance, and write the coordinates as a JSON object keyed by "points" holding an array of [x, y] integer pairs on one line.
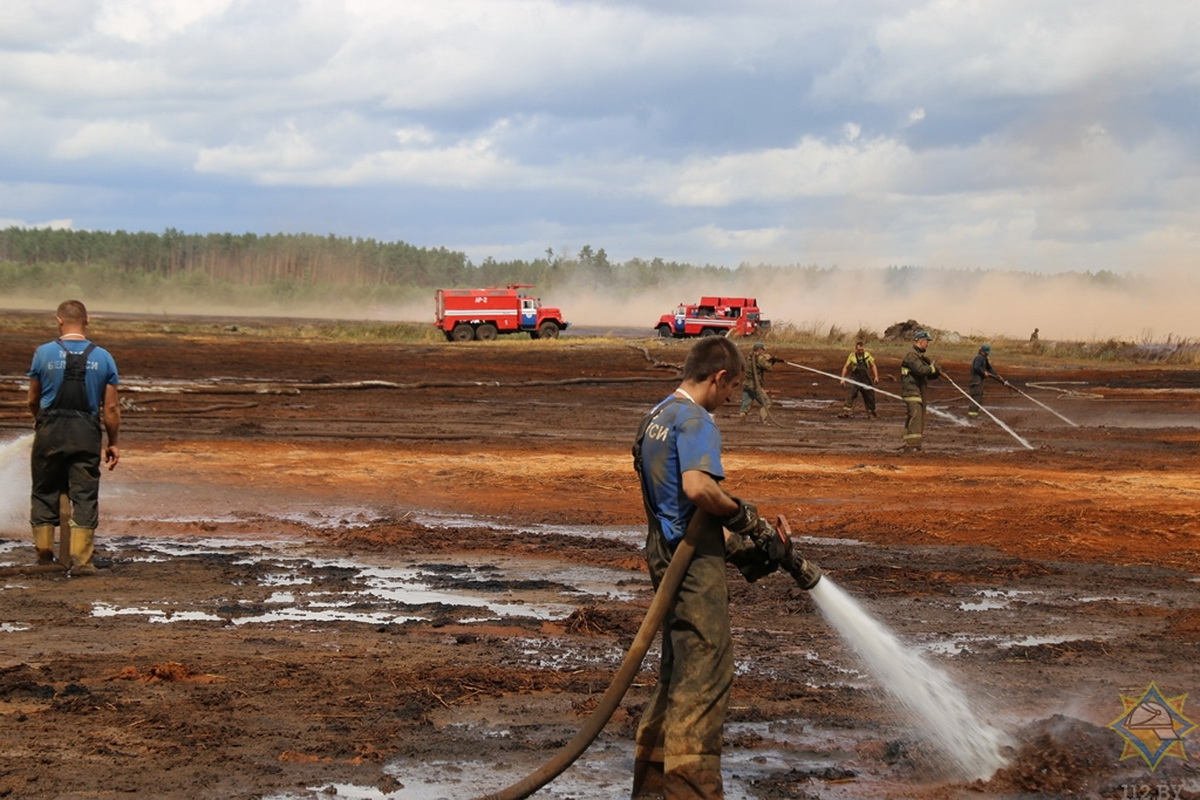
{"points": [[979, 303], [1067, 307]]}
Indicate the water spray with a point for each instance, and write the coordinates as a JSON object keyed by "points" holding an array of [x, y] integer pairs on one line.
{"points": [[939, 412], [1024, 442], [930, 699]]}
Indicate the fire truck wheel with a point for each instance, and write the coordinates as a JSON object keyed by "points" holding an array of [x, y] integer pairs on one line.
{"points": [[462, 333], [664, 331], [709, 332], [548, 330], [485, 332]]}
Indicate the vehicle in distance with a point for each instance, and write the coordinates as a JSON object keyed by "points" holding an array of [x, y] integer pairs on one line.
{"points": [[484, 314], [714, 316]]}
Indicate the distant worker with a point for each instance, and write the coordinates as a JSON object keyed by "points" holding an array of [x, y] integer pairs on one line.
{"points": [[758, 363], [1033, 337], [677, 456], [861, 367], [981, 370], [916, 370], [72, 395]]}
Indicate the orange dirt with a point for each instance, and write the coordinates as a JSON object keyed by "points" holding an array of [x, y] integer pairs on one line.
{"points": [[235, 433]]}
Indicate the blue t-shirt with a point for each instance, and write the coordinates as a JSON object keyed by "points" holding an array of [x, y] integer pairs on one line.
{"points": [[49, 363], [681, 436]]}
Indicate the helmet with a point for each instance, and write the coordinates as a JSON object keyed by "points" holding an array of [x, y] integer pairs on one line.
{"points": [[922, 335], [987, 348], [758, 346]]}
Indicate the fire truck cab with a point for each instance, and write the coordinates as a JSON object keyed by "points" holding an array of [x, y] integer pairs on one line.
{"points": [[714, 316], [466, 314]]}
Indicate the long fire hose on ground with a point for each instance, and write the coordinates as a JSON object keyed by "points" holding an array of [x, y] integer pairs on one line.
{"points": [[995, 419], [1043, 405], [945, 414], [663, 598], [573, 749]]}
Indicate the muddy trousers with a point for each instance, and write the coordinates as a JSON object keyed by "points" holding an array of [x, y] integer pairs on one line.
{"points": [[751, 396], [65, 457], [677, 753], [975, 390], [868, 396], [914, 422]]}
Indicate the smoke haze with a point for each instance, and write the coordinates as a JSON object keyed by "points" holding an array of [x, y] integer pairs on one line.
{"points": [[1064, 306]]}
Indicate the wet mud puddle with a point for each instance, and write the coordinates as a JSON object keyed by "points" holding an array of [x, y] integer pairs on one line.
{"points": [[1045, 649]]}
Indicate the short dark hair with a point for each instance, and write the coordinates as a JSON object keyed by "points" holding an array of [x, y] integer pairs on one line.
{"points": [[72, 311], [709, 356], [858, 344]]}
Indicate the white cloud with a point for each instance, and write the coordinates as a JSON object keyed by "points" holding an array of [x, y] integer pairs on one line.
{"points": [[112, 139], [139, 22], [1022, 134], [811, 168]]}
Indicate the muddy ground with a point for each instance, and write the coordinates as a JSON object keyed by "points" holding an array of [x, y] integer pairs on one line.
{"points": [[365, 570]]}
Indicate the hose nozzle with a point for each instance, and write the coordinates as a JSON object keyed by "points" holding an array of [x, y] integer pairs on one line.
{"points": [[804, 572]]}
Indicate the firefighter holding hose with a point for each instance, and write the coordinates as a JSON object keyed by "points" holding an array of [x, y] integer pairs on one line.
{"points": [[758, 363], [678, 459], [916, 371], [981, 370]]}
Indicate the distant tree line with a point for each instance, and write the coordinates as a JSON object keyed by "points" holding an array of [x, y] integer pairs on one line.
{"points": [[295, 266], [245, 269]]}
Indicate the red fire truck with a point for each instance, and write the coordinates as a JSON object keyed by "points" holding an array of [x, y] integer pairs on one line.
{"points": [[466, 314], [714, 316]]}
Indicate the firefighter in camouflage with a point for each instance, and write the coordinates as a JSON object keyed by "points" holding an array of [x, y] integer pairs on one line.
{"points": [[758, 363], [916, 370]]}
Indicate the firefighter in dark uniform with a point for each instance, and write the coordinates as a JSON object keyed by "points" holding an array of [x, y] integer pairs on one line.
{"points": [[916, 370], [861, 367], [73, 398], [677, 455], [981, 370], [758, 363]]}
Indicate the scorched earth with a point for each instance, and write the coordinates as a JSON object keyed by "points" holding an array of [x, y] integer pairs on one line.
{"points": [[357, 569]]}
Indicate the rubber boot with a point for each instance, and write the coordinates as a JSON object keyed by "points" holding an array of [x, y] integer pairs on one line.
{"points": [[647, 780], [82, 548], [43, 543]]}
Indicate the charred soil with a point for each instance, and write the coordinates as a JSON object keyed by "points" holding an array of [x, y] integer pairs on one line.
{"points": [[266, 476]]}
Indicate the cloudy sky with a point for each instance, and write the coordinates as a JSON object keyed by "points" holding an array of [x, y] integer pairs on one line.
{"points": [[1030, 135]]}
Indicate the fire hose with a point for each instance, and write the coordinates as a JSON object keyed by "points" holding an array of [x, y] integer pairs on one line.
{"points": [[1024, 443], [663, 599]]}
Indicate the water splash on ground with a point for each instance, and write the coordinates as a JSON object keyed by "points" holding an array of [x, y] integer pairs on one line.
{"points": [[936, 706]]}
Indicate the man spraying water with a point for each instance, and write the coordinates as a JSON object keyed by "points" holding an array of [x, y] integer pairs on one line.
{"points": [[677, 455]]}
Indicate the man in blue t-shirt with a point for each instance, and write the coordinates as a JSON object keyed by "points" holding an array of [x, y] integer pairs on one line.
{"points": [[72, 394], [677, 455]]}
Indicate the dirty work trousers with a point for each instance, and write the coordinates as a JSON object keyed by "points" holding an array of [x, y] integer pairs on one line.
{"points": [[65, 457], [677, 752], [975, 390], [750, 396], [914, 422], [868, 396]]}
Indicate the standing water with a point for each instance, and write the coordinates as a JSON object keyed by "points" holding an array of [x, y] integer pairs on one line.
{"points": [[14, 484], [937, 707]]}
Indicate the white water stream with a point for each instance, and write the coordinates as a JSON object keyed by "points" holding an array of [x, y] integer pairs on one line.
{"points": [[940, 711], [14, 485]]}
